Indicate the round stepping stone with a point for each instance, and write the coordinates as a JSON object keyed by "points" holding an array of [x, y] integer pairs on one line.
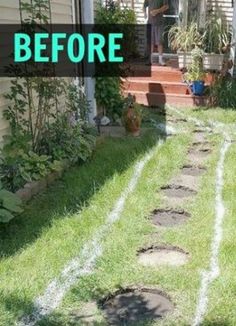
{"points": [[160, 255], [199, 137], [169, 218], [199, 131], [194, 171], [187, 181], [201, 143], [132, 306], [178, 191], [200, 152]]}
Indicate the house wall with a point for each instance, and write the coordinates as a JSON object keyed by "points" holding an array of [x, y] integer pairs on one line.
{"points": [[9, 14], [224, 7]]}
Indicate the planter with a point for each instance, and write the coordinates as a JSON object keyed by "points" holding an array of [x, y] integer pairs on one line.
{"points": [[198, 87], [132, 122], [213, 61], [184, 59]]}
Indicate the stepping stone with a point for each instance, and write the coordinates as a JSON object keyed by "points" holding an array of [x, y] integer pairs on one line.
{"points": [[200, 151], [203, 143], [199, 137], [188, 181], [193, 170], [176, 195], [132, 306], [169, 217], [162, 255], [198, 154]]}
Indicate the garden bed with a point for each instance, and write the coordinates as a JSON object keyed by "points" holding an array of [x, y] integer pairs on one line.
{"points": [[33, 188]]}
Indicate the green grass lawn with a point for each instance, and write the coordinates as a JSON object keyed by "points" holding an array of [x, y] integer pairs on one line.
{"points": [[36, 246]]}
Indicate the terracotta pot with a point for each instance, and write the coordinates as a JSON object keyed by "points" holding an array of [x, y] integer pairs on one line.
{"points": [[132, 122]]}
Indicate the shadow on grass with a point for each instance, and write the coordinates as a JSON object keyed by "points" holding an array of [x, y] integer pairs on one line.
{"points": [[216, 323], [57, 319], [124, 310], [15, 306], [73, 192]]}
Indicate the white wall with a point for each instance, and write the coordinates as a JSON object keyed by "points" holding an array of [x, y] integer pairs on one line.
{"points": [[88, 18]]}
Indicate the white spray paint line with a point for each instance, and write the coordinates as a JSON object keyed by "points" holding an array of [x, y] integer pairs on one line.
{"points": [[85, 263], [214, 271]]}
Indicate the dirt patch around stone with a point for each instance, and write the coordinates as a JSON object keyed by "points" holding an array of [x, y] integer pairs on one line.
{"points": [[198, 130], [199, 137], [169, 217], [194, 171], [132, 306], [187, 181], [178, 191], [156, 256], [204, 143], [201, 152]]}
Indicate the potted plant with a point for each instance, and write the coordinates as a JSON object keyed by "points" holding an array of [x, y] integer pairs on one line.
{"points": [[216, 38], [132, 116], [183, 39], [195, 76]]}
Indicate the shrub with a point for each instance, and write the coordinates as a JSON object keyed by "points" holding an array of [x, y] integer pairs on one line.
{"points": [[216, 35], [223, 92], [10, 205], [18, 167], [108, 95], [64, 140]]}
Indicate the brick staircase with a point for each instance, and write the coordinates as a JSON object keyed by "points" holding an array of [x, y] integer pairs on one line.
{"points": [[164, 85]]}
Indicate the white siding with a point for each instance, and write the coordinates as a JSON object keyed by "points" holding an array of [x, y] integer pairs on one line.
{"points": [[224, 7], [10, 14]]}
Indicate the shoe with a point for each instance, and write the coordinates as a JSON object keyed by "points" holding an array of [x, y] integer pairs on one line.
{"points": [[162, 63]]}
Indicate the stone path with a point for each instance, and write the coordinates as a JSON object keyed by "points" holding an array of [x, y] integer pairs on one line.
{"points": [[125, 307], [129, 306]]}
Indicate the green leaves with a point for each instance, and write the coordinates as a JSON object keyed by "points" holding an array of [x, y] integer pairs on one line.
{"points": [[5, 216], [108, 95], [10, 205]]}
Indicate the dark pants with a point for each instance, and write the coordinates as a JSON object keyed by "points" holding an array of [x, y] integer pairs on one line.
{"points": [[154, 35]]}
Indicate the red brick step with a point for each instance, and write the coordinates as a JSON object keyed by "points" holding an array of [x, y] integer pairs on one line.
{"points": [[140, 85], [180, 100]]}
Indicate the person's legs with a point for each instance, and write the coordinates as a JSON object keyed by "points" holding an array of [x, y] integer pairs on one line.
{"points": [[149, 41], [160, 50], [154, 40], [160, 31]]}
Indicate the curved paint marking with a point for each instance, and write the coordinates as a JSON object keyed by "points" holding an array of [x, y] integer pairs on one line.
{"points": [[214, 271], [209, 276], [85, 263]]}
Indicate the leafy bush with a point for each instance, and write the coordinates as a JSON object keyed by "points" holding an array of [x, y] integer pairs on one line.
{"points": [[195, 69], [108, 95], [64, 140], [18, 167], [112, 13], [216, 35], [184, 38], [113, 18], [223, 92], [10, 205], [41, 132]]}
